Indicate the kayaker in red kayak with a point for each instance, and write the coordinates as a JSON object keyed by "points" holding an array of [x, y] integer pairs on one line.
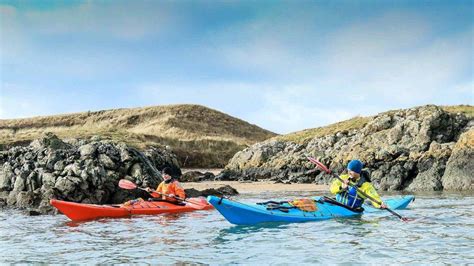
{"points": [[348, 195], [170, 187]]}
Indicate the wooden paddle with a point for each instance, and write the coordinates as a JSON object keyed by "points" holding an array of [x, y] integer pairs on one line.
{"points": [[325, 169], [127, 184]]}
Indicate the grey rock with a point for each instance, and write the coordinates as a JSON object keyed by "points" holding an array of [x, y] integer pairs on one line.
{"points": [[87, 150], [460, 166], [228, 175], [24, 199], [32, 182], [19, 183], [49, 179], [136, 171], [49, 140], [124, 154], [107, 162], [68, 184], [72, 169], [52, 159], [11, 200], [6, 175], [59, 166], [221, 191], [429, 180], [97, 175], [196, 176]]}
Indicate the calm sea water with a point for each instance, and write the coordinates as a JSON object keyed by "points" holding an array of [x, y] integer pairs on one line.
{"points": [[443, 232]]}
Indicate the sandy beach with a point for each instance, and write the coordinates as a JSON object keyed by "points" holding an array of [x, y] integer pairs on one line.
{"points": [[249, 187], [215, 171], [255, 187]]}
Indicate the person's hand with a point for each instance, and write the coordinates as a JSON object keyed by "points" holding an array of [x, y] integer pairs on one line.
{"points": [[345, 184], [171, 196], [383, 206], [148, 189]]}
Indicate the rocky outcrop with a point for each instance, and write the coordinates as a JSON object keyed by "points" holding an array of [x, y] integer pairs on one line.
{"points": [[459, 174], [412, 149], [85, 171], [221, 191], [196, 176]]}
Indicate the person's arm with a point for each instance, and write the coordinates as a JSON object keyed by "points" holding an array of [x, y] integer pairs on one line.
{"points": [[179, 190], [158, 189], [369, 189], [336, 186]]}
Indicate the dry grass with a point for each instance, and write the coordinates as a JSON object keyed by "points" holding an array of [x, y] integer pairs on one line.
{"points": [[468, 110], [193, 131], [308, 134], [357, 123], [466, 140]]}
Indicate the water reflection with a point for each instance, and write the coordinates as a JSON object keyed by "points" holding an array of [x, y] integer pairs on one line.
{"points": [[248, 229], [442, 233], [161, 219], [239, 232]]}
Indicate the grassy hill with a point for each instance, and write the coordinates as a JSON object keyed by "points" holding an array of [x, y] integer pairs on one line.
{"points": [[356, 123], [200, 136]]}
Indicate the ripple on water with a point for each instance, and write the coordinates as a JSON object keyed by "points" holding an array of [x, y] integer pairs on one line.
{"points": [[441, 233]]}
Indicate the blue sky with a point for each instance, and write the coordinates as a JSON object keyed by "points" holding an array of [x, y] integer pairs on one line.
{"points": [[283, 65]]}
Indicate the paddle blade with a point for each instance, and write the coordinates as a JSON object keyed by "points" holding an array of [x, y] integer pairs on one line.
{"points": [[126, 184], [406, 219], [196, 203], [319, 164]]}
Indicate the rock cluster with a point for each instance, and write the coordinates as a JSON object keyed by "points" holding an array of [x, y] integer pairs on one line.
{"points": [[196, 176], [423, 148], [85, 171], [221, 191]]}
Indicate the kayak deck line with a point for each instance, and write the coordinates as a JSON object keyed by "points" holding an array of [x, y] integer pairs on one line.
{"points": [[247, 214], [277, 212]]}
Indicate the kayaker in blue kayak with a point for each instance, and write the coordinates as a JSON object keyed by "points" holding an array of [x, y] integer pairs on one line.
{"points": [[348, 195]]}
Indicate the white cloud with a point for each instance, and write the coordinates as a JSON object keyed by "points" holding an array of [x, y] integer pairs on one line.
{"points": [[26, 43], [129, 21], [283, 42], [406, 66], [295, 108], [395, 57]]}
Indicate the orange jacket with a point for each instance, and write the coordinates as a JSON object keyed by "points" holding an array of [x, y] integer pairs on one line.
{"points": [[171, 188]]}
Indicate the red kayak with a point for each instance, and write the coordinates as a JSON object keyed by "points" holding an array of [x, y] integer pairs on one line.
{"points": [[83, 212]]}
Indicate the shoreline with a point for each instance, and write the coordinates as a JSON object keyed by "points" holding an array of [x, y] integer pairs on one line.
{"points": [[259, 186], [215, 171]]}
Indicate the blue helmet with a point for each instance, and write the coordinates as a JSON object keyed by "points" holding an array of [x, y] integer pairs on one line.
{"points": [[355, 166]]}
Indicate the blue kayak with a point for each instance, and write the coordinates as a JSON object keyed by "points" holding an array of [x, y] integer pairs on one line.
{"points": [[254, 213]]}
